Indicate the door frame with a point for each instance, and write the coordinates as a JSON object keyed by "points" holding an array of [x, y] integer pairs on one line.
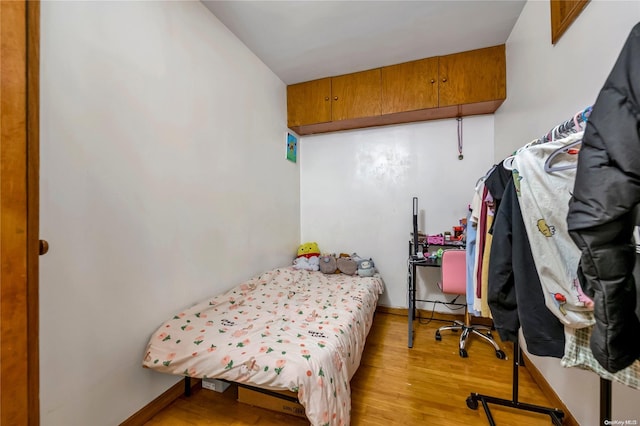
{"points": [[19, 212]]}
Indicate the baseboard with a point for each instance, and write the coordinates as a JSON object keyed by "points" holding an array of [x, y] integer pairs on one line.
{"points": [[160, 403], [393, 311], [422, 313], [546, 388]]}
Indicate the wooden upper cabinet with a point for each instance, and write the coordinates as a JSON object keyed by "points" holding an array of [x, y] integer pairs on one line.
{"points": [[355, 95], [410, 86], [462, 84], [309, 102], [473, 76]]}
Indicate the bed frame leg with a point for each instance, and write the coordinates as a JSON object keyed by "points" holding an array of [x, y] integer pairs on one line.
{"points": [[187, 386]]}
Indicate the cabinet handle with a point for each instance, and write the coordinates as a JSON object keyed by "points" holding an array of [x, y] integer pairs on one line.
{"points": [[326, 98], [335, 99], [433, 81], [444, 80]]}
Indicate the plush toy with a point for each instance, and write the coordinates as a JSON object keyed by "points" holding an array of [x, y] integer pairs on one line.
{"points": [[328, 264], [358, 259], [308, 257], [308, 249], [310, 264], [346, 264], [366, 268]]}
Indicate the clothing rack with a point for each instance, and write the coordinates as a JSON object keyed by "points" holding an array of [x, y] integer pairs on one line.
{"points": [[472, 400], [570, 126]]}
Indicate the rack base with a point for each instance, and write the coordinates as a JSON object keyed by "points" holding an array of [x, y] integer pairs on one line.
{"points": [[472, 402]]}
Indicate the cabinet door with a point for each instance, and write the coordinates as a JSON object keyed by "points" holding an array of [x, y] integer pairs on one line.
{"points": [[410, 86], [309, 102], [563, 13], [355, 95], [473, 76]]}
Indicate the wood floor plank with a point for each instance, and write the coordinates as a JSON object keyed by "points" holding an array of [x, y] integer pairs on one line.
{"points": [[395, 385]]}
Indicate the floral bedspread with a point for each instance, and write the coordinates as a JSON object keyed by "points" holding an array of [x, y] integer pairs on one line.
{"points": [[290, 329]]}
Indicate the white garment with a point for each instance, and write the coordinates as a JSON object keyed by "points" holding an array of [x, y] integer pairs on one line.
{"points": [[476, 208], [544, 201], [476, 203]]}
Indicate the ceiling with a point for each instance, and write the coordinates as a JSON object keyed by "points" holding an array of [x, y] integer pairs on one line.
{"points": [[304, 40]]}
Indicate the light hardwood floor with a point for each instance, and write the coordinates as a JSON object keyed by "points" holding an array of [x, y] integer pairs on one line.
{"points": [[395, 385]]}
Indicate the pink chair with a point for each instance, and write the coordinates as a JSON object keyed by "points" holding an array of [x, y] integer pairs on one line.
{"points": [[454, 281]]}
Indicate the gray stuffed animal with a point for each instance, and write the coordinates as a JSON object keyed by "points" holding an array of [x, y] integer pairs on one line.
{"points": [[328, 264], [366, 268]]}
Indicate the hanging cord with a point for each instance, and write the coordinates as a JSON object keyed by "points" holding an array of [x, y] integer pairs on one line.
{"points": [[460, 156]]}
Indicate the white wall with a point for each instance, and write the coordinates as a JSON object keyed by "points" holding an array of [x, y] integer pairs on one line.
{"points": [[357, 189], [163, 181], [546, 85]]}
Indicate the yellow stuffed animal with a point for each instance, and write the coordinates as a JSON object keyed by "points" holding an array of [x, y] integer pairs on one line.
{"points": [[308, 257]]}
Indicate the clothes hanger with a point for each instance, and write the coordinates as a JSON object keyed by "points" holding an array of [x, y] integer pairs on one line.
{"points": [[566, 149], [571, 147], [556, 133], [507, 163], [577, 126], [586, 113], [559, 131], [483, 178]]}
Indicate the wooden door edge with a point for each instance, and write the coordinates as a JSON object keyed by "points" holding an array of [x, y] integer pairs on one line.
{"points": [[33, 208]]}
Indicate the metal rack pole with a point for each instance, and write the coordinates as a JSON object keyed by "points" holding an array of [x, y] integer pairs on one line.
{"points": [[605, 401]]}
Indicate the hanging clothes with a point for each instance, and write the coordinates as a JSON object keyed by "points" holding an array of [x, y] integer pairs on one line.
{"points": [[471, 253], [601, 219], [515, 295], [480, 244], [543, 198], [485, 311], [578, 354], [496, 182], [478, 228]]}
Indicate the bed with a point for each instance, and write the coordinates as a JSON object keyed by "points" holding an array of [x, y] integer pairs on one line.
{"points": [[286, 329]]}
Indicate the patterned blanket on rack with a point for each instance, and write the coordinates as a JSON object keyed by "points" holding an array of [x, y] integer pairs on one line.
{"points": [[578, 354]]}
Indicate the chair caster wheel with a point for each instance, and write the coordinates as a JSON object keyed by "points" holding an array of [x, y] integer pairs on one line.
{"points": [[472, 403], [463, 353], [438, 336], [500, 354]]}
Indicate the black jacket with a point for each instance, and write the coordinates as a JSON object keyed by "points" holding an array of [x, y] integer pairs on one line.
{"points": [[600, 219], [515, 294]]}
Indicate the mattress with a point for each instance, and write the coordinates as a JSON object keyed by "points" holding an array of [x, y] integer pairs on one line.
{"points": [[285, 329]]}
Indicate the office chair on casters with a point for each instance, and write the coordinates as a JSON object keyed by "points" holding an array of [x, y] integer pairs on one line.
{"points": [[454, 281]]}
